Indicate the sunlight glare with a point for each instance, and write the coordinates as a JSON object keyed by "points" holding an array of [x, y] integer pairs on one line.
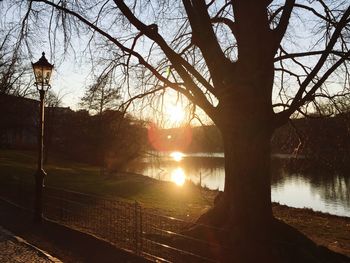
{"points": [[178, 176], [176, 113], [177, 156]]}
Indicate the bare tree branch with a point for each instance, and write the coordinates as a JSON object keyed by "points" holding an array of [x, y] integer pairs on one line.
{"points": [[280, 30], [298, 99]]}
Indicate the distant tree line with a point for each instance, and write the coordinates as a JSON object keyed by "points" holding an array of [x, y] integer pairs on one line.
{"points": [[206, 139], [110, 139], [18, 122], [324, 140]]}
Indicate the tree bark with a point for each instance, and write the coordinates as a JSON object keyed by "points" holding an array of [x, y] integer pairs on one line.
{"points": [[247, 178], [246, 127], [246, 201]]}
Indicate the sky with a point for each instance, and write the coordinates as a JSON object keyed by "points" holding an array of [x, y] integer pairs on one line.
{"points": [[69, 82], [71, 77]]}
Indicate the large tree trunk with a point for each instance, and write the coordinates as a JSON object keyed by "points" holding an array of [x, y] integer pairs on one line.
{"points": [[246, 201], [247, 193], [245, 119], [244, 208]]}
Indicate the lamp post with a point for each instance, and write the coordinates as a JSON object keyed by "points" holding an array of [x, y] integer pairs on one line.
{"points": [[42, 71]]}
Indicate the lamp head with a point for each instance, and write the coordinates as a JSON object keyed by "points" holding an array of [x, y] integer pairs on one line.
{"points": [[42, 71]]}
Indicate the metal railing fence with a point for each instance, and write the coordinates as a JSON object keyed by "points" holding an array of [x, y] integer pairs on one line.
{"points": [[125, 224]]}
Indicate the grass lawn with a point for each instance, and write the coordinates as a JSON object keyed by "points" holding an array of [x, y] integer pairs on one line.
{"points": [[166, 197], [180, 201]]}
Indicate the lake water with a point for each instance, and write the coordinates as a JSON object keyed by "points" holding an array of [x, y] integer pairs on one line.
{"points": [[325, 192]]}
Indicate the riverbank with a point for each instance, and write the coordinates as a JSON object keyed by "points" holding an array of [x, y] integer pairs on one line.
{"points": [[186, 202], [326, 230]]}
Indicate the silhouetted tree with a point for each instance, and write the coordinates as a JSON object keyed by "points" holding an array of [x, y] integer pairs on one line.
{"points": [[99, 97], [226, 57], [123, 140], [15, 76], [102, 95]]}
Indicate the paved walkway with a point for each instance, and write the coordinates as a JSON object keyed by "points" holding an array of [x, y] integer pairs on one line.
{"points": [[15, 249], [69, 245]]}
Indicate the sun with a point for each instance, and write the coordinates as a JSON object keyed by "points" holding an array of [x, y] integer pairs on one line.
{"points": [[175, 113], [177, 156]]}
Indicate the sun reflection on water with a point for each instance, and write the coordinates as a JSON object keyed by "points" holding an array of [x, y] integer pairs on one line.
{"points": [[178, 176]]}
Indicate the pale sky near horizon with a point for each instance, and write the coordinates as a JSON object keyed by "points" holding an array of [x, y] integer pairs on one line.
{"points": [[69, 82]]}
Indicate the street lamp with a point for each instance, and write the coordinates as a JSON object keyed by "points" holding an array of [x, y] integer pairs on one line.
{"points": [[42, 71]]}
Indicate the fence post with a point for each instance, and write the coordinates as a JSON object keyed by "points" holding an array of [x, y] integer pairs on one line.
{"points": [[61, 207], [140, 229], [137, 228], [20, 192]]}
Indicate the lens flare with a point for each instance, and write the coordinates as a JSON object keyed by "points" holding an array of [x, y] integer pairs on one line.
{"points": [[165, 140]]}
